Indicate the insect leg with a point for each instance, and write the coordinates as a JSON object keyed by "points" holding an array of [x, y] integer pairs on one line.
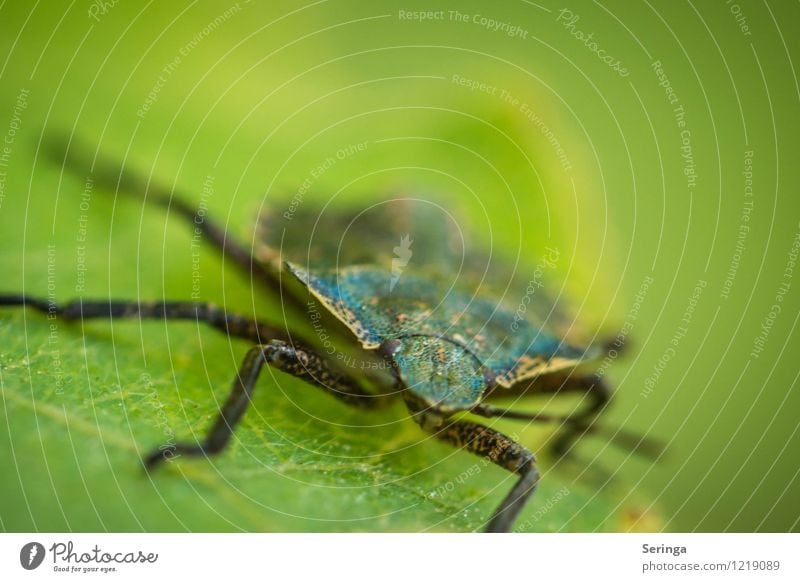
{"points": [[300, 362], [494, 411], [597, 395], [582, 422], [595, 387], [108, 175], [229, 323], [497, 448]]}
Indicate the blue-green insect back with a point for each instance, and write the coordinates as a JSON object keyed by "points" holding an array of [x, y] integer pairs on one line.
{"points": [[450, 346]]}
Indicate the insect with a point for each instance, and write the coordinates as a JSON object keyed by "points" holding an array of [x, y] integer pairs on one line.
{"points": [[397, 286]]}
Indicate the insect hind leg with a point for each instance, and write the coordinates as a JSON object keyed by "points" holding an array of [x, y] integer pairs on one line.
{"points": [[110, 175]]}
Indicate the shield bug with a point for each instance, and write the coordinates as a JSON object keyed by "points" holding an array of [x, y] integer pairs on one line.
{"points": [[427, 318]]}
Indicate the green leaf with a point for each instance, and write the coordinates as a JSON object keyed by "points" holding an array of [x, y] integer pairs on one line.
{"points": [[301, 461]]}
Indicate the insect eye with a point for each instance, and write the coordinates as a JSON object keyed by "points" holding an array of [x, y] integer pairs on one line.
{"points": [[388, 348]]}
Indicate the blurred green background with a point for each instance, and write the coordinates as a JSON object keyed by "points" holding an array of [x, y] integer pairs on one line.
{"points": [[655, 144]]}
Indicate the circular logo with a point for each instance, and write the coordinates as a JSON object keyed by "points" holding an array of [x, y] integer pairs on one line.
{"points": [[31, 555]]}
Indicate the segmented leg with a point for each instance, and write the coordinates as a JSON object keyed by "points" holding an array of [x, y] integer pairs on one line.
{"points": [[300, 362], [495, 411], [497, 448], [229, 323], [581, 422], [597, 396], [109, 175]]}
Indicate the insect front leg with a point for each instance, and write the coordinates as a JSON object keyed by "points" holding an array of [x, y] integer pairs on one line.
{"points": [[494, 446], [301, 362]]}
